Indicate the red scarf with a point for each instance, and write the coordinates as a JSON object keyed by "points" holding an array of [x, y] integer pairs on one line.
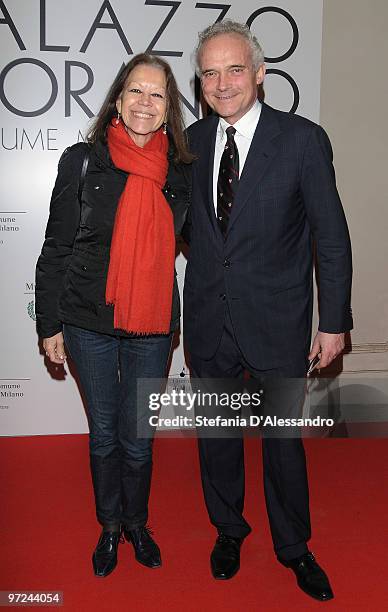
{"points": [[142, 254]]}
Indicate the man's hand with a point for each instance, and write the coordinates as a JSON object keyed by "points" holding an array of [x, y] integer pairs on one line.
{"points": [[329, 346], [55, 348]]}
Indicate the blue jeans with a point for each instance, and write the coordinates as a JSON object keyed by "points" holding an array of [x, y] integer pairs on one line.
{"points": [[121, 463]]}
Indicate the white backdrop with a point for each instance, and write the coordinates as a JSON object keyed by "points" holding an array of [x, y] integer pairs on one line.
{"points": [[58, 59]]}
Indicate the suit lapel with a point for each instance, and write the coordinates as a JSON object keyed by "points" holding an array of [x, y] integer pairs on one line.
{"points": [[205, 169], [260, 155]]}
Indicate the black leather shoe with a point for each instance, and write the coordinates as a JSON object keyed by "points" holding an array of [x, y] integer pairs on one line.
{"points": [[147, 551], [310, 577], [105, 554], [225, 557]]}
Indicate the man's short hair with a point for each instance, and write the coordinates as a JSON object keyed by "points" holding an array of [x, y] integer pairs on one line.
{"points": [[229, 27]]}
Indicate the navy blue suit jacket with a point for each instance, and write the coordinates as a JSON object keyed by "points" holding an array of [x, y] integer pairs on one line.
{"points": [[286, 203]]}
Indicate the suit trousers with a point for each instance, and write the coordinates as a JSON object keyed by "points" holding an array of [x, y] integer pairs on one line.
{"points": [[284, 463]]}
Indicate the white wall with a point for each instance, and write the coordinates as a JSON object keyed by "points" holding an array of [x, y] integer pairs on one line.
{"points": [[50, 42]]}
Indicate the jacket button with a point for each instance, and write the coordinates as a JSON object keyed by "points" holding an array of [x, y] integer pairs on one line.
{"points": [[84, 268], [226, 263], [96, 186], [222, 296]]}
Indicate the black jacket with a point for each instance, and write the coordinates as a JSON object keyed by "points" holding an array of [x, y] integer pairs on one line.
{"points": [[72, 269]]}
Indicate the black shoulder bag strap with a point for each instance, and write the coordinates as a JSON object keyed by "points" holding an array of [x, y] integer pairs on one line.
{"points": [[84, 169]]}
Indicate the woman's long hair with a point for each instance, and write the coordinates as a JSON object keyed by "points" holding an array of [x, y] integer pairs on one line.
{"points": [[175, 122]]}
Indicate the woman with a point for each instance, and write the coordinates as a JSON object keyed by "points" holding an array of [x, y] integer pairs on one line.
{"points": [[105, 284]]}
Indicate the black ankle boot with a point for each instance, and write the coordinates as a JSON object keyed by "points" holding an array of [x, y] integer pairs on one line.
{"points": [[146, 550], [105, 554]]}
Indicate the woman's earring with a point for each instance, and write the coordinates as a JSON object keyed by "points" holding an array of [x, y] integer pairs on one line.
{"points": [[117, 120], [165, 127]]}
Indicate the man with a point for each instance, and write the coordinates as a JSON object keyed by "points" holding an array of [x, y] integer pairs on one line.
{"points": [[263, 193]]}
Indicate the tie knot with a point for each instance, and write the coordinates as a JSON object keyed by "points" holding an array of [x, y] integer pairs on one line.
{"points": [[230, 132]]}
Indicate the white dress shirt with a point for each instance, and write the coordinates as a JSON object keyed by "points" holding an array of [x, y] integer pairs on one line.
{"points": [[245, 129]]}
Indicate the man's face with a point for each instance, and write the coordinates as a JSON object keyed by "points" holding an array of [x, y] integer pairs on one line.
{"points": [[229, 81]]}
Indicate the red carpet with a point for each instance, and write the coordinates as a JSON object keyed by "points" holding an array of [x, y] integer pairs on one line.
{"points": [[49, 531]]}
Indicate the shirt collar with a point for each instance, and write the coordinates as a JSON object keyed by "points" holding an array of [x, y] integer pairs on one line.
{"points": [[245, 126]]}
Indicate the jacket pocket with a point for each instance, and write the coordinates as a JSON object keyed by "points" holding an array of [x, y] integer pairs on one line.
{"points": [[84, 287], [87, 267], [288, 288]]}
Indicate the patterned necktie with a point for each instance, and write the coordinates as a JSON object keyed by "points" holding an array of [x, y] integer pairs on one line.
{"points": [[227, 180]]}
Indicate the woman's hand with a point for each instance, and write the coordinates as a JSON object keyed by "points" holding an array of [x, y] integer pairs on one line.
{"points": [[55, 348]]}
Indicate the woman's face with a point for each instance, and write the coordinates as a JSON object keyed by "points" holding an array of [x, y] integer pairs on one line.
{"points": [[142, 103]]}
